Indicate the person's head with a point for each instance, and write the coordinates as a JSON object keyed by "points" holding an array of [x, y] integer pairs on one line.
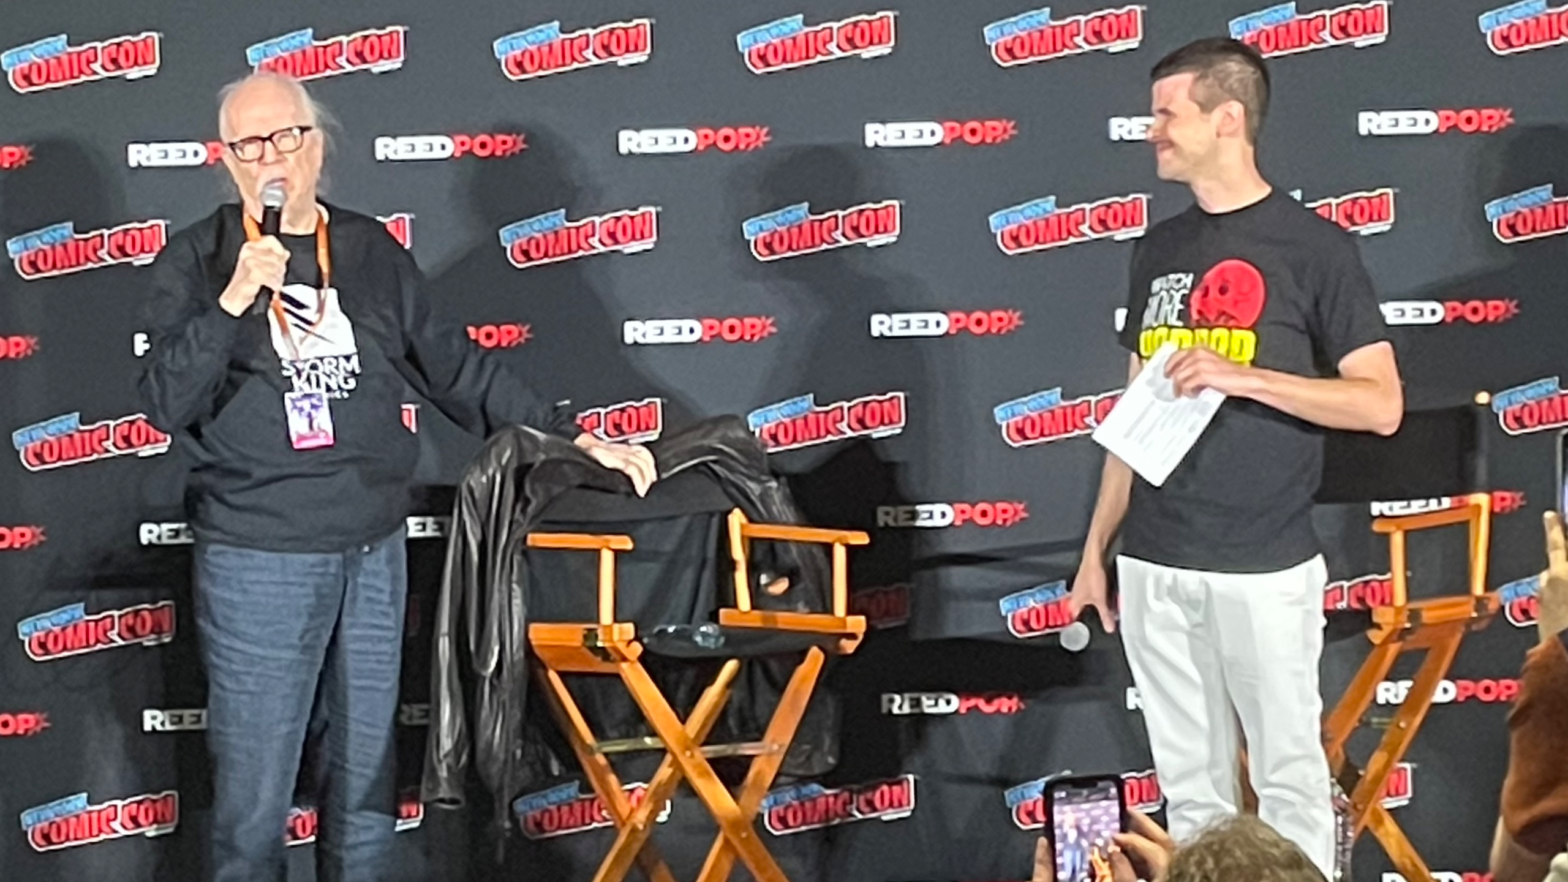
{"points": [[1242, 847], [1209, 101], [271, 128]]}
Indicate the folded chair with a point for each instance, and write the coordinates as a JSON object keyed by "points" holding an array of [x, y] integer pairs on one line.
{"points": [[1436, 453], [612, 647], [1435, 626]]}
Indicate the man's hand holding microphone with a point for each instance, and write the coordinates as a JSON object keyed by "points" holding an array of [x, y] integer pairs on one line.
{"points": [[262, 263]]}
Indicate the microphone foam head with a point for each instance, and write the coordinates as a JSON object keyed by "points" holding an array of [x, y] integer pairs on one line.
{"points": [[273, 194], [1075, 637]]}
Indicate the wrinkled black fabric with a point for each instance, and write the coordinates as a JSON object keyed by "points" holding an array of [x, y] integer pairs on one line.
{"points": [[480, 656]]}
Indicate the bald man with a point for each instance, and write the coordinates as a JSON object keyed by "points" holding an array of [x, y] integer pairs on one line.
{"points": [[279, 363]]}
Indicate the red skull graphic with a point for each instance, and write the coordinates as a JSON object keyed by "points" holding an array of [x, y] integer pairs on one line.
{"points": [[1230, 295]]}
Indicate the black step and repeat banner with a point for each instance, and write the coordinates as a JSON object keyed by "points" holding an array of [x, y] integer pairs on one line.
{"points": [[893, 236]]}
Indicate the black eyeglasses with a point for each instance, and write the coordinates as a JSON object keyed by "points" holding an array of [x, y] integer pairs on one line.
{"points": [[283, 140]]}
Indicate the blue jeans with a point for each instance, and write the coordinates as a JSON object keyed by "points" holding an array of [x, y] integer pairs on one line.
{"points": [[274, 628]]}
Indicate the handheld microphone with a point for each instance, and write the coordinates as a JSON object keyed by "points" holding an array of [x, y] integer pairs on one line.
{"points": [[1074, 637], [272, 198]]}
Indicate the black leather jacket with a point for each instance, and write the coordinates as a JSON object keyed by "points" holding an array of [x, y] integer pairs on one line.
{"points": [[481, 620]]}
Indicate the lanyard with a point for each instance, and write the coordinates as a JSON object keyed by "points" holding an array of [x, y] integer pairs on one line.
{"points": [[323, 261]]}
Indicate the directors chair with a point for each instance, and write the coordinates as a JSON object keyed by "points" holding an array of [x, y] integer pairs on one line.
{"points": [[1443, 443], [613, 647]]}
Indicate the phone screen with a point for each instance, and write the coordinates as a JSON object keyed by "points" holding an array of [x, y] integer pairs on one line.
{"points": [[1084, 816]]}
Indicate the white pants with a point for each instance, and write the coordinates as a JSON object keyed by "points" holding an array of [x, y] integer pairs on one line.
{"points": [[1208, 648]]}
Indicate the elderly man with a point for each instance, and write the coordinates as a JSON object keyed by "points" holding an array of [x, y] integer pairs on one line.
{"points": [[279, 362]]}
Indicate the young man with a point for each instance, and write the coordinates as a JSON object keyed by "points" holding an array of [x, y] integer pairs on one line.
{"points": [[289, 404], [1220, 575]]}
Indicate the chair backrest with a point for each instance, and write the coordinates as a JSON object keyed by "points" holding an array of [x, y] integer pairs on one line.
{"points": [[1436, 452]]}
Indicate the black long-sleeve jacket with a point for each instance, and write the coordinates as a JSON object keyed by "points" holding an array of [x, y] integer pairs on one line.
{"points": [[217, 383], [479, 677]]}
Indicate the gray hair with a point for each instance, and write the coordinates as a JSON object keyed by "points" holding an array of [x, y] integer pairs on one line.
{"points": [[325, 123]]}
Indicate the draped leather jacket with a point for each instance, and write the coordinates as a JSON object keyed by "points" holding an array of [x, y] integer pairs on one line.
{"points": [[481, 619]]}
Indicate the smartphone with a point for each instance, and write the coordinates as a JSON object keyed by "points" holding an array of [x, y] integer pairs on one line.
{"points": [[1085, 813], [1562, 472]]}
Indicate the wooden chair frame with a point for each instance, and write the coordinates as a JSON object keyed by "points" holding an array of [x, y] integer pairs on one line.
{"points": [[611, 647], [1436, 626]]}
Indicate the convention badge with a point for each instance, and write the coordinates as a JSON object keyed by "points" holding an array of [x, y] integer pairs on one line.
{"points": [[310, 420]]}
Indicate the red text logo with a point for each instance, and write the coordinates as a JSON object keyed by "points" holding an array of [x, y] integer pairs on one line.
{"points": [[401, 226], [1037, 611], [65, 441], [801, 422], [904, 704], [1499, 691], [793, 231], [725, 139], [1468, 120], [14, 156], [301, 56], [59, 250], [53, 63], [503, 336], [543, 50], [564, 810], [885, 606], [69, 630], [1532, 214], [734, 329], [400, 148], [1044, 417], [1034, 36], [1039, 224], [73, 821], [629, 422], [974, 132], [17, 347], [1521, 27], [812, 806], [1533, 407], [1364, 213], [173, 154], [789, 43], [551, 238], [21, 538], [1280, 30], [956, 514], [979, 323], [23, 724]]}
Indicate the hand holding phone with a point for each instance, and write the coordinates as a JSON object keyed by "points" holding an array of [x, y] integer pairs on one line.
{"points": [[1086, 814]]}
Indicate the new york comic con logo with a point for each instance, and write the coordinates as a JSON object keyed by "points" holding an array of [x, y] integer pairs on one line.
{"points": [[69, 630], [1033, 36], [59, 250], [1365, 213], [630, 422], [300, 55], [64, 441], [1361, 593], [788, 43], [1529, 214], [1037, 611], [794, 231], [1041, 224], [801, 422], [1026, 802], [1281, 30], [543, 49], [74, 820], [812, 807], [1533, 407], [551, 238], [565, 809], [1520, 27], [52, 63], [304, 821], [1521, 601], [1044, 417]]}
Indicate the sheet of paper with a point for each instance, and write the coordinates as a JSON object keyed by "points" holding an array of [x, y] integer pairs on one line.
{"points": [[1151, 427]]}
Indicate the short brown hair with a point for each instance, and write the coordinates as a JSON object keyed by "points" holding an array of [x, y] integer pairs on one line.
{"points": [[1226, 70], [1241, 848]]}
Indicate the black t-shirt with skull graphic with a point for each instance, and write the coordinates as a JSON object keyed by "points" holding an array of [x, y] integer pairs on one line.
{"points": [[1274, 286]]}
